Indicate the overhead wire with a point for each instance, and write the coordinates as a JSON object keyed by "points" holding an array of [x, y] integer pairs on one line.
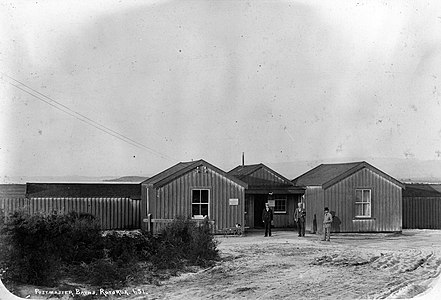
{"points": [[36, 94]]}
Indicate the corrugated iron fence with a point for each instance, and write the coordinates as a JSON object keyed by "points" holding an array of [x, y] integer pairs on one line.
{"points": [[421, 212], [156, 225], [113, 213]]}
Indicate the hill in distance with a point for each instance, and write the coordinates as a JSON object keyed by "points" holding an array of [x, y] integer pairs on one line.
{"points": [[66, 179], [406, 170], [127, 179]]}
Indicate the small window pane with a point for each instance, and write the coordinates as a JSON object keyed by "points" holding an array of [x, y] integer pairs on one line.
{"points": [[367, 209], [204, 209], [195, 209], [196, 196], [366, 196], [204, 196]]}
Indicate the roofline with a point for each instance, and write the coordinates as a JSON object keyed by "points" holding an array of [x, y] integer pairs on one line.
{"points": [[358, 167], [255, 167], [189, 167], [259, 166], [314, 169], [85, 182], [150, 179], [307, 172]]}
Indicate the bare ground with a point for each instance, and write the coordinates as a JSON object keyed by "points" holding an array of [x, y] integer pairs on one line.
{"points": [[284, 266]]}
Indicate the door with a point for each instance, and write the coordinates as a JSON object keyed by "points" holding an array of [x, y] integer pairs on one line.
{"points": [[259, 205]]}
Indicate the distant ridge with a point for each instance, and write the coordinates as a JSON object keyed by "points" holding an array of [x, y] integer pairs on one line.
{"points": [[128, 179], [406, 170]]}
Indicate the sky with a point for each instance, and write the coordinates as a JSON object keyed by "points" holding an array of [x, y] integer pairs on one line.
{"points": [[113, 88]]}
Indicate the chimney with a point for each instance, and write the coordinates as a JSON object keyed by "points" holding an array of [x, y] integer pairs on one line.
{"points": [[243, 159]]}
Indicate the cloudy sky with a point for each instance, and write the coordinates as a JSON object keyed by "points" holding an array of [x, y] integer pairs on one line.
{"points": [[131, 87]]}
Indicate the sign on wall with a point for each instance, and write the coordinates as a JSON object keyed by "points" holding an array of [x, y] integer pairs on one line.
{"points": [[272, 203], [234, 201]]}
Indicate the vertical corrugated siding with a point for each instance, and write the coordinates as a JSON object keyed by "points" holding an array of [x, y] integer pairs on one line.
{"points": [[175, 198], [386, 203], [9, 205], [287, 219], [113, 213], [314, 200], [422, 212]]}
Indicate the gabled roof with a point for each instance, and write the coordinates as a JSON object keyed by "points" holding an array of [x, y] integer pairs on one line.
{"points": [[261, 178], [422, 190], [182, 168], [242, 171], [245, 172], [326, 175]]}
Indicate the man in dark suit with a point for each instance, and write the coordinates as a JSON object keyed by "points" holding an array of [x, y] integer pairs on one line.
{"points": [[299, 217], [267, 218]]}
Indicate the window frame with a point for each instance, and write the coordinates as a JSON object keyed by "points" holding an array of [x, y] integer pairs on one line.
{"points": [[200, 189], [277, 198], [362, 203]]}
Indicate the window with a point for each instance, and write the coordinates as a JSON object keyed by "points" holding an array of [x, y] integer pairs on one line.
{"points": [[279, 204], [199, 203], [363, 203]]}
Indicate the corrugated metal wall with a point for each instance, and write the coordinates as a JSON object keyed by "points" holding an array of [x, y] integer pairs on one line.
{"points": [[174, 198], [12, 191], [386, 203], [113, 213], [421, 212], [9, 205], [282, 220], [314, 200]]}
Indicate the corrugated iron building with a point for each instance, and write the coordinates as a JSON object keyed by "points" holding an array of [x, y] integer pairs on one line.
{"points": [[266, 185], [197, 190], [12, 198], [422, 206], [361, 198], [116, 205], [130, 190], [12, 191]]}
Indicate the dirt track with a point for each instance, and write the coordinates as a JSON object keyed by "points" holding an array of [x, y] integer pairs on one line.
{"points": [[351, 266], [286, 266]]}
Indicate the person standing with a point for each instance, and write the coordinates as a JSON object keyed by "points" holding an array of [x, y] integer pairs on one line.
{"points": [[267, 218], [300, 217], [327, 220]]}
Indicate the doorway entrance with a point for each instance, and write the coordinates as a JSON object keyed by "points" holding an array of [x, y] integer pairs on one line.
{"points": [[259, 205]]}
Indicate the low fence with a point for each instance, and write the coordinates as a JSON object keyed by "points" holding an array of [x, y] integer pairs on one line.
{"points": [[113, 213], [421, 212], [156, 225]]}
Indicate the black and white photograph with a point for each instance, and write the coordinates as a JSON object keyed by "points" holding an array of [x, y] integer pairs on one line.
{"points": [[220, 149]]}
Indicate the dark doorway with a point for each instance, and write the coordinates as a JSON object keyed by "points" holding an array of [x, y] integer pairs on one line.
{"points": [[259, 205]]}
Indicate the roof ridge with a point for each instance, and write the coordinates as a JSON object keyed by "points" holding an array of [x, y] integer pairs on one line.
{"points": [[180, 167], [249, 168], [346, 163]]}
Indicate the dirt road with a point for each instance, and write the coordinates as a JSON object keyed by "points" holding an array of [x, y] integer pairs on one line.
{"points": [[286, 266]]}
